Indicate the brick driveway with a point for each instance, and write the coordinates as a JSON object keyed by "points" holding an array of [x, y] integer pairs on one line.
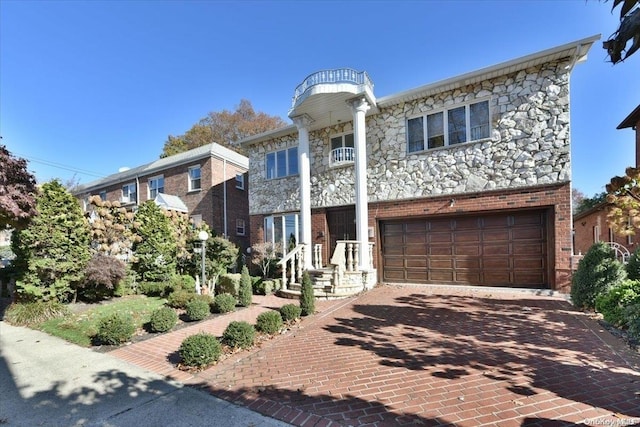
{"points": [[428, 356]]}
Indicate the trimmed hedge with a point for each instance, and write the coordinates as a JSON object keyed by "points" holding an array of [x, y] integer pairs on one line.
{"points": [[180, 298], [197, 309], [115, 328], [245, 294], [200, 350], [163, 319], [307, 297], [228, 283], [239, 334], [224, 303], [290, 312], [269, 322]]}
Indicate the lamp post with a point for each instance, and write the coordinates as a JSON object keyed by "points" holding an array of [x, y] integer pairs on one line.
{"points": [[203, 236]]}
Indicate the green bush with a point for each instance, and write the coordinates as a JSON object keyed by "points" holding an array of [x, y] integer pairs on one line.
{"points": [[183, 282], [197, 309], [612, 304], [633, 266], [277, 284], [228, 283], [115, 328], [290, 312], [307, 298], [180, 298], [163, 319], [224, 303], [33, 313], [269, 322], [155, 289], [239, 334], [245, 294], [255, 282], [597, 272], [200, 350], [264, 287], [632, 320]]}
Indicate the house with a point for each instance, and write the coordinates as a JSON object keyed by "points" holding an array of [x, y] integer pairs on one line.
{"points": [[591, 226], [462, 181], [209, 183]]}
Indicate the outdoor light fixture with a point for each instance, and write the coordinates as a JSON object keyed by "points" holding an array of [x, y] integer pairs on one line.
{"points": [[203, 236]]}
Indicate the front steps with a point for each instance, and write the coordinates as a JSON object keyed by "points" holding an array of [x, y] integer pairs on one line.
{"points": [[352, 284]]}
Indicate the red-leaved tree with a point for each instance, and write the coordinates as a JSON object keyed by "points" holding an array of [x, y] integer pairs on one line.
{"points": [[17, 191]]}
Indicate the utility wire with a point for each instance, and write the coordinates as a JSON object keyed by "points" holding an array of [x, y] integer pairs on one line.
{"points": [[61, 166]]}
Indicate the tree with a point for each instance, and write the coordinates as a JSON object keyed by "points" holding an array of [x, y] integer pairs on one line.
{"points": [[223, 127], [245, 293], [112, 230], [307, 296], [155, 250], [589, 202], [629, 29], [53, 250], [17, 191], [624, 197], [221, 255]]}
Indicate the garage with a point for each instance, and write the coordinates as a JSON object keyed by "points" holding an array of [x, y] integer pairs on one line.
{"points": [[504, 249]]}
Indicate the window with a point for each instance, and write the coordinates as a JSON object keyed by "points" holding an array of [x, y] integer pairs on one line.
{"points": [[282, 231], [450, 127], [129, 193], [282, 163], [596, 233], [103, 195], [156, 185], [342, 150], [240, 227], [195, 183], [196, 220], [240, 181]]}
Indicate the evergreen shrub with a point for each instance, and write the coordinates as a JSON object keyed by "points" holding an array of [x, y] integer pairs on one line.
{"points": [[200, 350], [307, 298], [597, 272], [269, 322], [290, 312], [224, 303], [245, 293], [197, 309], [163, 319], [115, 328], [239, 334]]}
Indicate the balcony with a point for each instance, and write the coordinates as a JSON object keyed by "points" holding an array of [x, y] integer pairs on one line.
{"points": [[341, 156]]}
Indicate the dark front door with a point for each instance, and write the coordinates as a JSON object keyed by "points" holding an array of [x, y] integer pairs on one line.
{"points": [[342, 225]]}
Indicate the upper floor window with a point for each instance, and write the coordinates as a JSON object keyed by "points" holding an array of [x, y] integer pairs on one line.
{"points": [[282, 163], [195, 182], [129, 193], [156, 185], [240, 181], [240, 227], [103, 195], [342, 150], [454, 126]]}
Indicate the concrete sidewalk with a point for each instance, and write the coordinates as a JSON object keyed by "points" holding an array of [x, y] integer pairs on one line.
{"points": [[45, 381]]}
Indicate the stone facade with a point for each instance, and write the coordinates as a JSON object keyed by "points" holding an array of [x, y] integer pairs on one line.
{"points": [[529, 146]]}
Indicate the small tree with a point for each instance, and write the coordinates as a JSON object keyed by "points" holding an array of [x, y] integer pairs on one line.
{"points": [[102, 275], [53, 251], [597, 272], [265, 255], [245, 294], [307, 298], [17, 191], [221, 254], [155, 250]]}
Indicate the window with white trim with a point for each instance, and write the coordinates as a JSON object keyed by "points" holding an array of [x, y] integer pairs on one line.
{"points": [[240, 227], [129, 193], [195, 182], [156, 185], [596, 233], [103, 195], [342, 150], [282, 163], [240, 181], [196, 220], [283, 231], [465, 123]]}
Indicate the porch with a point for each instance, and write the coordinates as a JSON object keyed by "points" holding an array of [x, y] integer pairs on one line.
{"points": [[341, 277]]}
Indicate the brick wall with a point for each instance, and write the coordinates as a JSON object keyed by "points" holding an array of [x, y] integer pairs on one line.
{"points": [[593, 222]]}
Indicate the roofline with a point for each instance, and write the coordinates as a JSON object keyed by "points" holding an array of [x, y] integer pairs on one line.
{"points": [[214, 150], [577, 49], [276, 133], [631, 120], [600, 206]]}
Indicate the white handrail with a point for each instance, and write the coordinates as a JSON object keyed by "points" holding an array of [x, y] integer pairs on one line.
{"points": [[294, 259]]}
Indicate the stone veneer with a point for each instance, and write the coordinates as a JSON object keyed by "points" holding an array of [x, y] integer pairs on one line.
{"points": [[529, 146]]}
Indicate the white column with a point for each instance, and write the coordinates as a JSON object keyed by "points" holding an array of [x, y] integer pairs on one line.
{"points": [[359, 107], [304, 169]]}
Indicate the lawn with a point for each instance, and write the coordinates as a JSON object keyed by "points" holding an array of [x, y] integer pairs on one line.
{"points": [[80, 326]]}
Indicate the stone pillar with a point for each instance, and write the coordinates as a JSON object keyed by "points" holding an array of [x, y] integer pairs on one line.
{"points": [[359, 107], [303, 122]]}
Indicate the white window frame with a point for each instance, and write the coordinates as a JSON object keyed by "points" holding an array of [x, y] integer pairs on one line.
{"points": [[269, 230], [596, 233], [240, 181], [103, 195], [241, 227], [156, 188], [445, 119], [126, 197], [288, 154], [192, 180], [341, 155]]}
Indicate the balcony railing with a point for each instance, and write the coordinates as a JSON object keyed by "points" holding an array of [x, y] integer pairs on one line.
{"points": [[341, 75], [342, 155]]}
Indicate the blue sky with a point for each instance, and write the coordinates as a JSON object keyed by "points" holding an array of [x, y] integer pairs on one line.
{"points": [[87, 87]]}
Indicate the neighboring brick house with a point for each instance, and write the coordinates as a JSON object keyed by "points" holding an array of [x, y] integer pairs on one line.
{"points": [[208, 182], [591, 226], [462, 181]]}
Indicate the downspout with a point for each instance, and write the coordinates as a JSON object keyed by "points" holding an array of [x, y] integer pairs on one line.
{"points": [[137, 190], [224, 196]]}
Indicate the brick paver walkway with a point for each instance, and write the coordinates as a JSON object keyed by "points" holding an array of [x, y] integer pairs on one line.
{"points": [[425, 356]]}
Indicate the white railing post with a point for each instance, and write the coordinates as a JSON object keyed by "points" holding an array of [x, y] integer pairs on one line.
{"points": [[301, 256], [349, 256], [317, 256], [370, 256], [356, 250], [284, 276]]}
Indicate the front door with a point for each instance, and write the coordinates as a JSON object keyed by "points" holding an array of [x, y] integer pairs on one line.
{"points": [[342, 225]]}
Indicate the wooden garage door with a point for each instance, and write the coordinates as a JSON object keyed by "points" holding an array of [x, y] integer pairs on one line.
{"points": [[493, 250]]}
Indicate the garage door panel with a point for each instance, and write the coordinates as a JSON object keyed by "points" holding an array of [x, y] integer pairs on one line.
{"points": [[508, 249]]}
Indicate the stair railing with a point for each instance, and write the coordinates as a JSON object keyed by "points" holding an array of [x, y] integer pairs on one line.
{"points": [[292, 265]]}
